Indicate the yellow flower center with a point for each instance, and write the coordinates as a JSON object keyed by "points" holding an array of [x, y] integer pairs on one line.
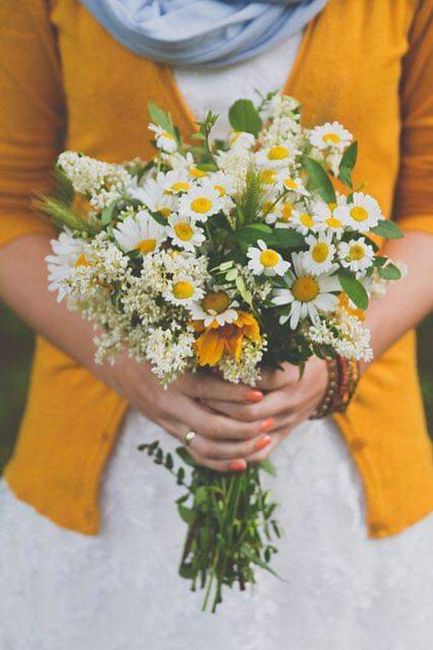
{"points": [[278, 152], [217, 301], [286, 211], [290, 184], [180, 186], [306, 219], [82, 261], [358, 213], [269, 258], [332, 138], [267, 176], [320, 252], [356, 252], [168, 135], [305, 288], [195, 172], [201, 205], [220, 189], [267, 207], [234, 137], [146, 246], [333, 222], [183, 290], [164, 212], [184, 231]]}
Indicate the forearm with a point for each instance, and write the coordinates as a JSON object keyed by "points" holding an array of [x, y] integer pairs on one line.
{"points": [[24, 288], [407, 301]]}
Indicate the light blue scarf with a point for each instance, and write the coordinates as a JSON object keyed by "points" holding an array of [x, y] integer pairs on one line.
{"points": [[205, 33]]}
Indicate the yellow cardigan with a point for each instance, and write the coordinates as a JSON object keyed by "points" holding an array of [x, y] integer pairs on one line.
{"points": [[368, 64]]}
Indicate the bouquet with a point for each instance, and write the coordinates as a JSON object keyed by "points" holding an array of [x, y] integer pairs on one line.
{"points": [[227, 256]]}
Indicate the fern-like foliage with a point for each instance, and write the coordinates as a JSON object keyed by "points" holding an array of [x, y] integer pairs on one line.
{"points": [[62, 215], [252, 199]]}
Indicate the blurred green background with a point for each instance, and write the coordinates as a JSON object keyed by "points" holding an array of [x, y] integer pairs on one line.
{"points": [[16, 347]]}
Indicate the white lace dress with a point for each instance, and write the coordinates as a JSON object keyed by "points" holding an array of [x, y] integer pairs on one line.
{"points": [[60, 590]]}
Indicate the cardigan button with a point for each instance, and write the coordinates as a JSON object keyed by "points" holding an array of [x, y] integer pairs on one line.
{"points": [[377, 527], [357, 444]]}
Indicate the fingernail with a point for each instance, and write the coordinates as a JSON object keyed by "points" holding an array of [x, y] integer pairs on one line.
{"points": [[237, 465], [263, 442], [267, 424], [254, 396]]}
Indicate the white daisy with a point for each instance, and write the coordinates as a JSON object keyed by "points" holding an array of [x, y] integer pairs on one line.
{"points": [[320, 255], [184, 232], [325, 213], [183, 291], [356, 254], [269, 177], [277, 156], [292, 183], [176, 181], [265, 260], [164, 140], [304, 222], [201, 202], [306, 294], [214, 310], [69, 253], [362, 214], [330, 134], [241, 140], [154, 197], [140, 232], [225, 187]]}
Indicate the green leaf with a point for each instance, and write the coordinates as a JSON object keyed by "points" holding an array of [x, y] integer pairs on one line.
{"points": [[182, 452], [390, 272], [169, 461], [268, 467], [387, 229], [232, 275], [161, 117], [108, 213], [207, 167], [319, 179], [187, 514], [159, 218], [287, 238], [347, 164], [353, 288], [244, 116], [251, 233], [245, 293]]}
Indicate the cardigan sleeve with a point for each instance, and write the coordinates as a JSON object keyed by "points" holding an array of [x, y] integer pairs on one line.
{"points": [[31, 113], [413, 206]]}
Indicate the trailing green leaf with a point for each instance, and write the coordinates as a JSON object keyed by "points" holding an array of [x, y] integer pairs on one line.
{"points": [[387, 229], [353, 288], [389, 272], [319, 179], [244, 116], [347, 164]]}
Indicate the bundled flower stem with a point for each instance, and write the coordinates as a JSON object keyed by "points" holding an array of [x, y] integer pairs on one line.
{"points": [[230, 525], [224, 256]]}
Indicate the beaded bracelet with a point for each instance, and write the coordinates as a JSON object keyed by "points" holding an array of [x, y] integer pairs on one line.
{"points": [[343, 377]]}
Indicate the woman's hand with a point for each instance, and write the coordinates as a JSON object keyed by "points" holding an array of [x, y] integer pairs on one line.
{"points": [[282, 401], [222, 442]]}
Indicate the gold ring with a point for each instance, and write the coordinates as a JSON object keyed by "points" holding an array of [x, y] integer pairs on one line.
{"points": [[188, 438]]}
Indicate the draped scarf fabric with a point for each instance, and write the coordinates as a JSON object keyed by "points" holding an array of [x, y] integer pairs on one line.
{"points": [[205, 33]]}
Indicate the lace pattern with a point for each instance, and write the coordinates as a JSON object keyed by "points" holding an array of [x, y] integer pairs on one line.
{"points": [[120, 590]]}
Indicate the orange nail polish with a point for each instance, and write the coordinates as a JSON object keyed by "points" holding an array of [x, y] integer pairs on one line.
{"points": [[267, 424], [263, 442], [237, 465], [254, 396]]}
